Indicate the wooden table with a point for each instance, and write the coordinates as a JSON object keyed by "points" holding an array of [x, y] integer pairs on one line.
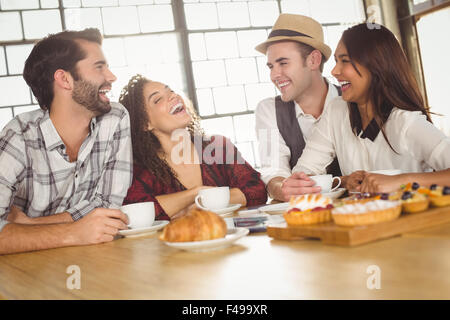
{"points": [[256, 267]]}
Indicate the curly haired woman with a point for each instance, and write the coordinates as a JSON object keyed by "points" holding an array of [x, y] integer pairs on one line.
{"points": [[170, 169]]}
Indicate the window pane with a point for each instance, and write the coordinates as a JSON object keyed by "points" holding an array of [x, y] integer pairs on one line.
{"points": [[49, 4], [248, 40], [246, 150], [221, 45], [241, 71], [156, 18], [19, 4], [114, 52], [71, 3], [263, 70], [99, 3], [22, 109], [205, 102], [197, 46], [10, 26], [2, 61], [127, 16], [209, 74], [18, 92], [343, 11], [245, 127], [233, 15], [221, 126], [79, 19], [257, 92], [229, 99], [134, 2], [201, 16], [33, 26], [142, 50], [5, 116], [296, 7], [263, 13], [168, 73], [16, 56], [170, 44]]}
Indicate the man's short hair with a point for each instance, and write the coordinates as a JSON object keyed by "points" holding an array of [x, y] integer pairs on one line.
{"points": [[305, 51], [56, 51]]}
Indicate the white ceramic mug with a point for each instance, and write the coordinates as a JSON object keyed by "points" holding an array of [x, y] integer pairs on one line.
{"points": [[213, 198], [140, 215], [325, 181]]}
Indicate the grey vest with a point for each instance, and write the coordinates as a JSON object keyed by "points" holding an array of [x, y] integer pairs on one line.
{"points": [[290, 131]]}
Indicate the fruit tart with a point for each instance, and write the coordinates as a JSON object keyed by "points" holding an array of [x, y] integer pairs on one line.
{"points": [[439, 196], [414, 198], [308, 209], [370, 212]]}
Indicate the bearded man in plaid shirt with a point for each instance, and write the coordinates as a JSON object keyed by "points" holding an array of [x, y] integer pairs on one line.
{"points": [[65, 168]]}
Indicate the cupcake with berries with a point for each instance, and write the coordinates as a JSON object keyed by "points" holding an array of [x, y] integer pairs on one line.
{"points": [[439, 196], [414, 198], [308, 209]]}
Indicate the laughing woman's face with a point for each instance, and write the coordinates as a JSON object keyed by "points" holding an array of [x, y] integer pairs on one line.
{"points": [[355, 86]]}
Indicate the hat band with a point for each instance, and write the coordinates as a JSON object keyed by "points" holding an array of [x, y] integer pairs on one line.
{"points": [[287, 33]]}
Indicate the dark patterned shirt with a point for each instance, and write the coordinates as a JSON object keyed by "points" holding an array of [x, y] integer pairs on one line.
{"points": [[37, 177], [221, 165]]}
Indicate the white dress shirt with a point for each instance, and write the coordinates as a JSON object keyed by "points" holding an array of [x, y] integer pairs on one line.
{"points": [[273, 151], [420, 146]]}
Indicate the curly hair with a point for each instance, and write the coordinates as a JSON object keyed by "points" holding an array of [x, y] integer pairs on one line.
{"points": [[56, 51], [147, 149]]}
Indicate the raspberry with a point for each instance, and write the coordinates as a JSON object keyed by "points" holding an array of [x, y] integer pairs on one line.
{"points": [[330, 206], [294, 210]]}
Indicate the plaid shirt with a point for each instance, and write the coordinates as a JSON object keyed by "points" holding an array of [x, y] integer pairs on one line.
{"points": [[37, 177]]}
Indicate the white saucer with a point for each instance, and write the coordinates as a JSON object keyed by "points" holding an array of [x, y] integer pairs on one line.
{"points": [[144, 231], [227, 211], [208, 245], [335, 194], [276, 208]]}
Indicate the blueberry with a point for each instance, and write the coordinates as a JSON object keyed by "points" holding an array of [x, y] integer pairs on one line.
{"points": [[384, 196], [433, 186], [415, 186], [446, 190], [406, 195]]}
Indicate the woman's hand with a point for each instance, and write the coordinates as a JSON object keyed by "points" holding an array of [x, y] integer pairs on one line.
{"points": [[378, 183], [353, 181]]}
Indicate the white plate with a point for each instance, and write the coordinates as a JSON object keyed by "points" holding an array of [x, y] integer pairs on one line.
{"points": [[207, 245], [276, 208], [335, 194], [228, 210], [144, 231]]}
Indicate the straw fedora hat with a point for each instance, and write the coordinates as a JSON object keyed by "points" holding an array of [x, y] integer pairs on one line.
{"points": [[295, 27]]}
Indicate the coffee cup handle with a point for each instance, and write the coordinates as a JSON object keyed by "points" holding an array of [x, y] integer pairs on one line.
{"points": [[337, 186], [197, 202]]}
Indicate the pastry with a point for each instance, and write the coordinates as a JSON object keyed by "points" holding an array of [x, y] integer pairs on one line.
{"points": [[414, 202], [308, 209], [196, 225], [370, 212], [439, 196]]}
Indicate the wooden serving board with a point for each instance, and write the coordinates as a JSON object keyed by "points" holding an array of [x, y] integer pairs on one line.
{"points": [[332, 234]]}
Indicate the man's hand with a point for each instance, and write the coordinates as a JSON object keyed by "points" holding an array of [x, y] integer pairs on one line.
{"points": [[297, 184], [15, 215], [353, 181], [100, 225]]}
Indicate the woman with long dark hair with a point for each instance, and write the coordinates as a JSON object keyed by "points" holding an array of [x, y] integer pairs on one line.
{"points": [[173, 159], [380, 122]]}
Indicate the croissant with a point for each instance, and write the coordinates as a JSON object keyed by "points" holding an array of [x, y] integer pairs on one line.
{"points": [[196, 225]]}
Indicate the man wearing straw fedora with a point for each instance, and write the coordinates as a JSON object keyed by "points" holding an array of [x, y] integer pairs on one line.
{"points": [[296, 54]]}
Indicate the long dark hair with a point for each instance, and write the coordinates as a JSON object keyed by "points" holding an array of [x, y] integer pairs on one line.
{"points": [[147, 149], [393, 83], [56, 51]]}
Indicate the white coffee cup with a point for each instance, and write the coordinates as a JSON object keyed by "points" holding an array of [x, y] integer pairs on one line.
{"points": [[325, 181], [390, 172], [213, 198], [140, 215]]}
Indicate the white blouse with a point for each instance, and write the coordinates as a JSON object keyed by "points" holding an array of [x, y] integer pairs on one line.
{"points": [[420, 146]]}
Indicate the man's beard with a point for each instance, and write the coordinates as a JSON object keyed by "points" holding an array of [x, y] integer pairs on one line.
{"points": [[87, 94]]}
